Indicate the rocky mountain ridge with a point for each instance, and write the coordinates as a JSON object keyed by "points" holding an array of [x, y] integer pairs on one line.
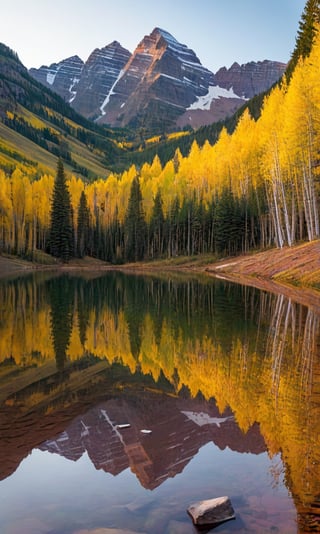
{"points": [[160, 87]]}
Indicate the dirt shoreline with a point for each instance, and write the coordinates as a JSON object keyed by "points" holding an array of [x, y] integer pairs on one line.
{"points": [[291, 271]]}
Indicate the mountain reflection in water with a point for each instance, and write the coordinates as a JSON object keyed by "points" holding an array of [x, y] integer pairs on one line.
{"points": [[194, 361], [174, 440]]}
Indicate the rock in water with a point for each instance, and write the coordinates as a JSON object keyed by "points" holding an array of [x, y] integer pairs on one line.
{"points": [[211, 511]]}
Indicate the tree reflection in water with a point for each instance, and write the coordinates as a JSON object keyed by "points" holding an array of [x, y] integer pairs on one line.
{"points": [[254, 352]]}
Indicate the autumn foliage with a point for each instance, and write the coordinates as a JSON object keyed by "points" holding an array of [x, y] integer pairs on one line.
{"points": [[254, 188]]}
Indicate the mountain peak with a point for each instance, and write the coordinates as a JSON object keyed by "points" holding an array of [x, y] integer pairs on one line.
{"points": [[166, 35], [162, 85], [115, 43]]}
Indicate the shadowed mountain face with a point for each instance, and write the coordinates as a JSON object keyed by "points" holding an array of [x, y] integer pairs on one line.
{"points": [[85, 85], [61, 77], [160, 87]]}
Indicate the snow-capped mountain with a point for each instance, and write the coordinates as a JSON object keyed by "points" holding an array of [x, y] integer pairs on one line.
{"points": [[85, 85], [160, 81], [98, 76], [61, 77], [160, 86]]}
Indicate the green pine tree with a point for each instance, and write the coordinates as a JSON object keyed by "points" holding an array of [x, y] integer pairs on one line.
{"points": [[135, 227], [306, 33], [61, 227], [61, 298], [228, 224], [157, 227], [83, 226]]}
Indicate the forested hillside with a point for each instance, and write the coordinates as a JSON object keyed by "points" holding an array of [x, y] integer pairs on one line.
{"points": [[37, 126], [166, 147]]}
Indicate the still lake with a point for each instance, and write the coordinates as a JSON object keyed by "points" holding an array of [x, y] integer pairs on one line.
{"points": [[124, 399]]}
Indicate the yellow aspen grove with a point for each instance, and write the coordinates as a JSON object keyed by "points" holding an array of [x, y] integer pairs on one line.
{"points": [[166, 183], [149, 184], [31, 220], [125, 183], [205, 170], [98, 205], [75, 186], [91, 193], [156, 167], [189, 168], [244, 154], [271, 135], [221, 177], [112, 191], [43, 190], [6, 216], [302, 135], [181, 181], [21, 192]]}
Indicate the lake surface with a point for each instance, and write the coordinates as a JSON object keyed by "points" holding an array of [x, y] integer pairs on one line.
{"points": [[124, 399]]}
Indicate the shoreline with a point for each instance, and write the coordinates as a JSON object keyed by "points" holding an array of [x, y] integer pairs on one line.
{"points": [[291, 271]]}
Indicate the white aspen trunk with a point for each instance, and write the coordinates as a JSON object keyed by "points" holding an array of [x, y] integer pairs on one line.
{"points": [[293, 216], [277, 339], [282, 195], [273, 234], [286, 215], [34, 245], [306, 205], [278, 227], [309, 349], [313, 200], [310, 195], [30, 237]]}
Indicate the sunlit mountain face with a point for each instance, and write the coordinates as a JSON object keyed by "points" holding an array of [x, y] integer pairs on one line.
{"points": [[183, 387]]}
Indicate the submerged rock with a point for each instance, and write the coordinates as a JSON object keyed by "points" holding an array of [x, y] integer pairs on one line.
{"points": [[211, 511]]}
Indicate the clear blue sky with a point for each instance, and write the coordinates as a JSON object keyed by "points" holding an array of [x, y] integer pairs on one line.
{"points": [[219, 31]]}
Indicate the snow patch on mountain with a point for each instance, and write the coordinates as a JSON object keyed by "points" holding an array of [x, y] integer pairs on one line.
{"points": [[51, 76], [72, 89], [111, 92], [201, 418], [215, 92]]}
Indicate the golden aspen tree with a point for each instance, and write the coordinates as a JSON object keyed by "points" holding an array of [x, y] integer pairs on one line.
{"points": [[125, 183], [76, 187], [43, 191], [205, 170], [244, 153], [271, 135], [222, 173], [112, 188], [302, 133], [6, 233], [166, 184], [20, 191], [189, 169]]}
